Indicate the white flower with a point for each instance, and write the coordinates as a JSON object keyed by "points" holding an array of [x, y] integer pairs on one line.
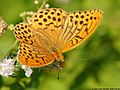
{"points": [[28, 70], [30, 13], [47, 5], [7, 67], [36, 2]]}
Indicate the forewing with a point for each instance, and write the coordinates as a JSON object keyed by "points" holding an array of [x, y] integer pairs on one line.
{"points": [[47, 25], [78, 27]]}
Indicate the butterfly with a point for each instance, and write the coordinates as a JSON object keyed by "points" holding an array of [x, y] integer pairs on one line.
{"points": [[53, 31]]}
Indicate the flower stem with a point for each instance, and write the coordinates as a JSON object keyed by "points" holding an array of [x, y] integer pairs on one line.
{"points": [[13, 47], [43, 4]]}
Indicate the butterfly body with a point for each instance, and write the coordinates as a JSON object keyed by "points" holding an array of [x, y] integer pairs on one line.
{"points": [[52, 32]]}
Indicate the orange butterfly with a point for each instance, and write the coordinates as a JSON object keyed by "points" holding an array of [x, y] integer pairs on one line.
{"points": [[52, 32]]}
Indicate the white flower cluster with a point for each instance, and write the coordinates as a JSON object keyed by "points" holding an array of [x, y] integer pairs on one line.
{"points": [[7, 67], [36, 2], [26, 13], [28, 70], [47, 5]]}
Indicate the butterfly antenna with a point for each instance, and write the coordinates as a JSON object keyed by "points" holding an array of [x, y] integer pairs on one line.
{"points": [[58, 72], [15, 62], [59, 68]]}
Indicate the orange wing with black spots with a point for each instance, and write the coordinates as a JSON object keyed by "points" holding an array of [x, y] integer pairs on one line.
{"points": [[34, 56], [53, 31], [65, 30], [49, 23], [23, 33], [30, 53], [78, 27]]}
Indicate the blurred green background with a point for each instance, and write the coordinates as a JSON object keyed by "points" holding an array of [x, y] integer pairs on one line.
{"points": [[94, 63]]}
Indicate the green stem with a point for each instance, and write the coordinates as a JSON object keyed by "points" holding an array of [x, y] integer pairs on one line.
{"points": [[13, 47], [44, 2]]}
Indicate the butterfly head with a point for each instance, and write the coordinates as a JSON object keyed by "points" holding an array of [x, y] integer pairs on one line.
{"points": [[57, 54]]}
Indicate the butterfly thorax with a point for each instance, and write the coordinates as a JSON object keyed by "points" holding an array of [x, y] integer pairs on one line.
{"points": [[57, 54]]}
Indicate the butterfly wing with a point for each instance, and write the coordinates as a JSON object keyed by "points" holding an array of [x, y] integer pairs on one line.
{"points": [[30, 53], [52, 30], [23, 33], [47, 25], [33, 56], [78, 27], [65, 30]]}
